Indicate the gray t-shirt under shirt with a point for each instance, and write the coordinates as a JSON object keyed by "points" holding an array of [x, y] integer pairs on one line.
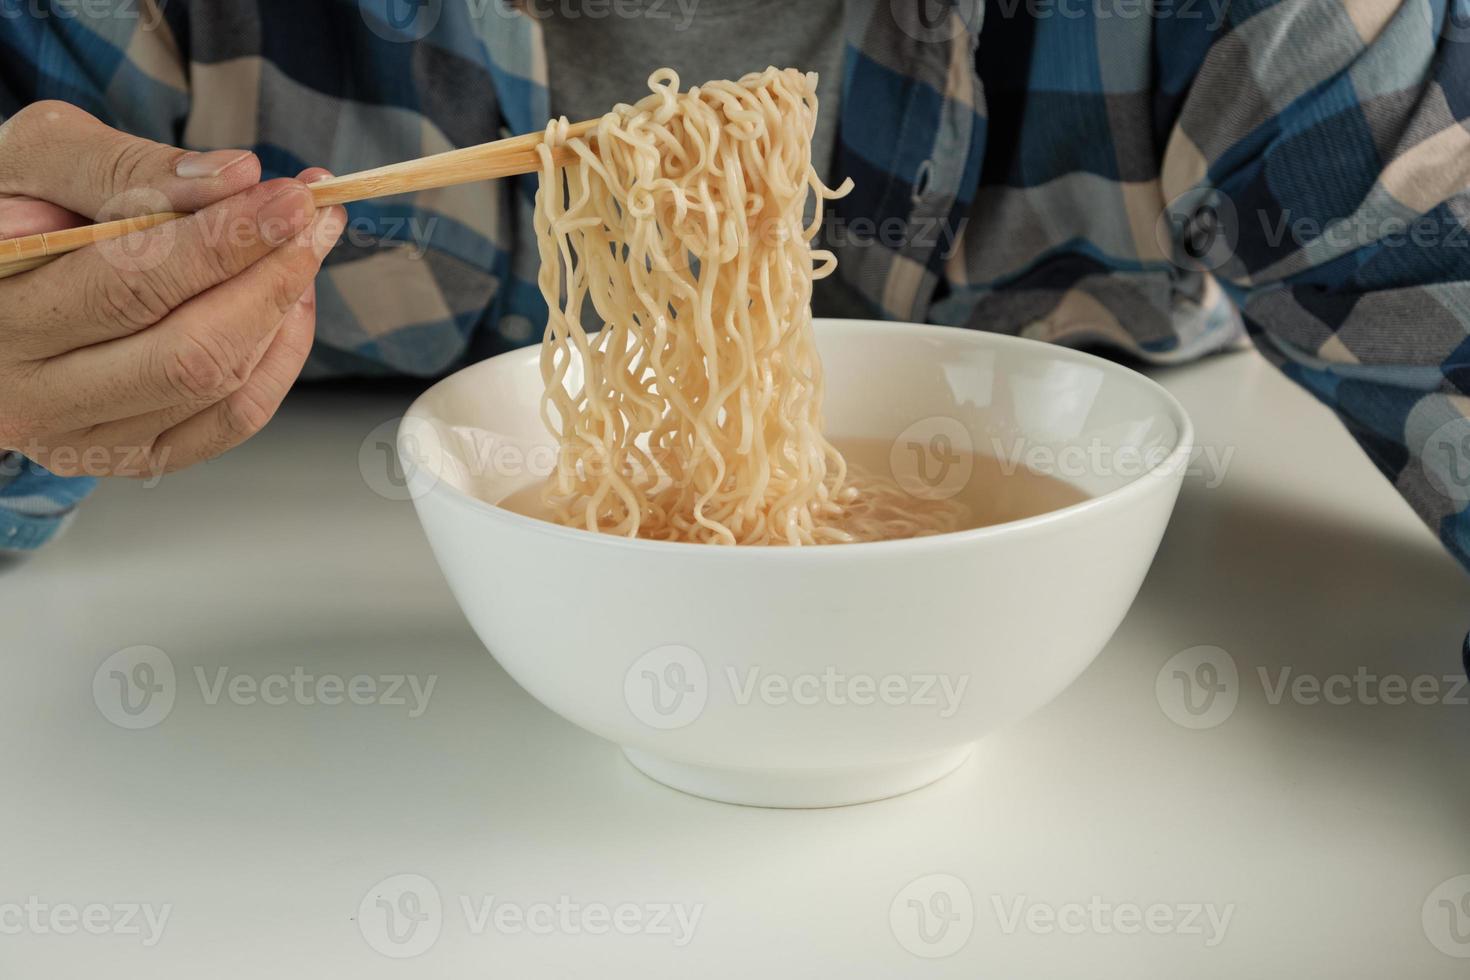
{"points": [[598, 55]]}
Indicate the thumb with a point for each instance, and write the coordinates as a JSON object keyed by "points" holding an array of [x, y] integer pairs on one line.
{"points": [[53, 151]]}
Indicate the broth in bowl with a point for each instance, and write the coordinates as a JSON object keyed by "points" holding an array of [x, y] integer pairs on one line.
{"points": [[979, 490]]}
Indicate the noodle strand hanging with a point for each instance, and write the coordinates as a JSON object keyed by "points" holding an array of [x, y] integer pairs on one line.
{"points": [[695, 413]]}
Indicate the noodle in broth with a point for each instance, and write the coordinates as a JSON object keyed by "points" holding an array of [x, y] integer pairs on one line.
{"points": [[696, 414]]}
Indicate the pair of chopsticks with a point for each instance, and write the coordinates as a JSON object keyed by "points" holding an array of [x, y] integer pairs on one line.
{"points": [[502, 158]]}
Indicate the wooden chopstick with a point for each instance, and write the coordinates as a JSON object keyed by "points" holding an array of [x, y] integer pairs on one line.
{"points": [[502, 158]]}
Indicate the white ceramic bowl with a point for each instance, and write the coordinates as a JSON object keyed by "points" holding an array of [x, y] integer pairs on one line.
{"points": [[825, 675]]}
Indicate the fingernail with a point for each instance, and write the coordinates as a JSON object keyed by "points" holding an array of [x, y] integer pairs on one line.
{"points": [[211, 164], [285, 213]]}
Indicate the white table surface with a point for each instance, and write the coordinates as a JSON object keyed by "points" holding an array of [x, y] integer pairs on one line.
{"points": [[1330, 834]]}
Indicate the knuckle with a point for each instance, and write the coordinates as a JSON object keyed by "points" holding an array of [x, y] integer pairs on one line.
{"points": [[203, 371], [283, 287], [124, 167], [211, 249], [133, 300], [242, 417], [212, 262], [187, 274]]}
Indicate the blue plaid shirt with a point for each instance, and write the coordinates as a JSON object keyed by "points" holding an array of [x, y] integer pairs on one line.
{"points": [[1158, 177]]}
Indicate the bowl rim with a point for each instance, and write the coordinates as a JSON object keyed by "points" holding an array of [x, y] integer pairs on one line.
{"points": [[1171, 467]]}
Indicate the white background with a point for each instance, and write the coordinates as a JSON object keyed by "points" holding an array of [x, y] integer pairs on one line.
{"points": [[1324, 830]]}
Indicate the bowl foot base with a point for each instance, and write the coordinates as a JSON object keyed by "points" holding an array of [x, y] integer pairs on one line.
{"points": [[798, 788]]}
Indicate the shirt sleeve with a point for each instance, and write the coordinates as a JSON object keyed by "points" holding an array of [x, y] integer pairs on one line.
{"points": [[1317, 161], [126, 69], [35, 506]]}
